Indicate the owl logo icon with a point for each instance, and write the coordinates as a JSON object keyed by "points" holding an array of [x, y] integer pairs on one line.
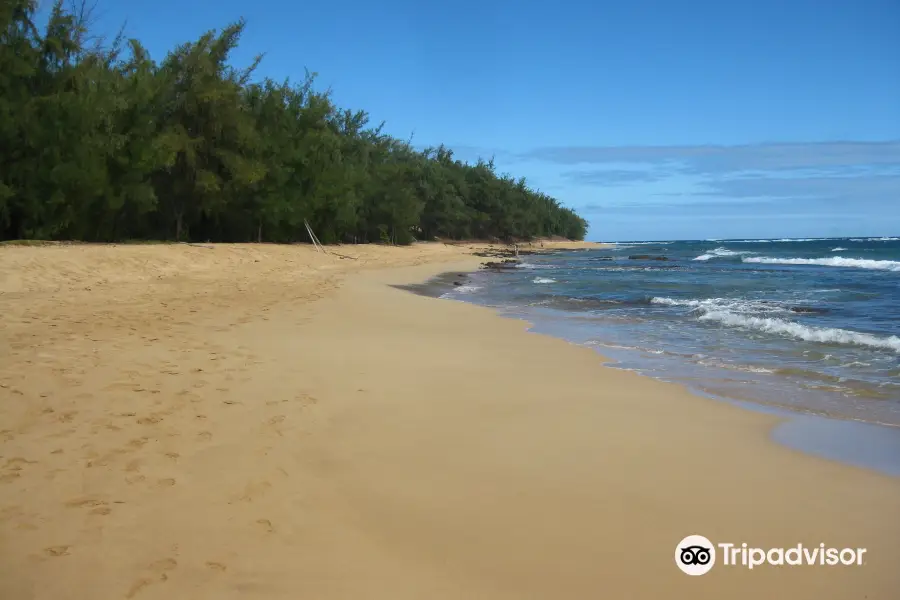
{"points": [[695, 555]]}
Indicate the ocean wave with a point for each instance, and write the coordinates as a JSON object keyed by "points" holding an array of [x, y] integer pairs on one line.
{"points": [[876, 239], [628, 244], [782, 240], [733, 367], [543, 280], [823, 335], [621, 347], [466, 289], [730, 304], [838, 249], [528, 265], [836, 261], [721, 252]]}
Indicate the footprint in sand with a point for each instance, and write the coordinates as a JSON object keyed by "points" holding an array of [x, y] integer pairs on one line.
{"points": [[67, 417], [159, 573], [306, 399], [57, 551], [254, 490], [164, 565], [17, 463], [138, 442], [164, 483], [266, 525]]}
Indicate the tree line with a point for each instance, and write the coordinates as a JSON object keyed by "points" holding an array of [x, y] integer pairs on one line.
{"points": [[99, 142]]}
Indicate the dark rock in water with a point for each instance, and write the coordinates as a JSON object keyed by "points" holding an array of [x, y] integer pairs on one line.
{"points": [[647, 257], [808, 310], [603, 258], [509, 263], [457, 283]]}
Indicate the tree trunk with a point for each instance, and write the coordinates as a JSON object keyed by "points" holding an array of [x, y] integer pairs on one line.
{"points": [[259, 233], [179, 218]]}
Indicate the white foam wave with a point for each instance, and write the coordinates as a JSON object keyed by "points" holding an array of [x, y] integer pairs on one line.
{"points": [[876, 239], [734, 367], [528, 265], [621, 347], [466, 289], [838, 249], [836, 261], [729, 304], [823, 335], [782, 240], [857, 363], [543, 280], [629, 244], [722, 251]]}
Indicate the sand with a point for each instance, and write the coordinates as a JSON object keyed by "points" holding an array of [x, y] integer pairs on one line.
{"points": [[267, 422]]}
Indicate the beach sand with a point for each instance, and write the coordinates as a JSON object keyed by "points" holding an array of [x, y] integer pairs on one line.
{"points": [[264, 421]]}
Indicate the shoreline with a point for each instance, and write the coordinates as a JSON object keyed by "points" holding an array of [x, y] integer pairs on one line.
{"points": [[853, 442], [360, 441]]}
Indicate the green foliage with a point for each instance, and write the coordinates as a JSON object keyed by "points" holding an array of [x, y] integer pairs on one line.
{"points": [[105, 144]]}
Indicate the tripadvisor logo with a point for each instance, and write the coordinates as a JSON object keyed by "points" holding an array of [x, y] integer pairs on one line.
{"points": [[696, 555]]}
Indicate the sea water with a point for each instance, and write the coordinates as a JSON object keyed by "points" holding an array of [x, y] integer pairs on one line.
{"points": [[808, 325]]}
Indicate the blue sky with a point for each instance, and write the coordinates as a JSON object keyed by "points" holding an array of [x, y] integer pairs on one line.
{"points": [[656, 120]]}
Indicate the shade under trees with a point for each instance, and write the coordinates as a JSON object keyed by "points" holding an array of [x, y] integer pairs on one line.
{"points": [[101, 143]]}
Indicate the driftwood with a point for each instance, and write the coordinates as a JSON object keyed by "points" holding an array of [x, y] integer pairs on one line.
{"points": [[312, 236], [344, 255]]}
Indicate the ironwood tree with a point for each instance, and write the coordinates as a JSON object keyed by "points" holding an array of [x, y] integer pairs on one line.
{"points": [[99, 142]]}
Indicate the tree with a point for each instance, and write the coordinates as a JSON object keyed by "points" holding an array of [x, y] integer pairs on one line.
{"points": [[102, 143]]}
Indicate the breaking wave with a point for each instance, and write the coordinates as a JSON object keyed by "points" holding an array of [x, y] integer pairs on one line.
{"points": [[782, 240], [720, 252], [757, 315], [822, 335], [628, 244], [836, 261], [466, 289], [729, 304], [543, 280]]}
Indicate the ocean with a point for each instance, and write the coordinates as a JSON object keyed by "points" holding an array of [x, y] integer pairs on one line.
{"points": [[807, 325]]}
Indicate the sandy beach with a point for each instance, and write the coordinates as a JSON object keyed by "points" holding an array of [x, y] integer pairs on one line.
{"points": [[259, 421]]}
